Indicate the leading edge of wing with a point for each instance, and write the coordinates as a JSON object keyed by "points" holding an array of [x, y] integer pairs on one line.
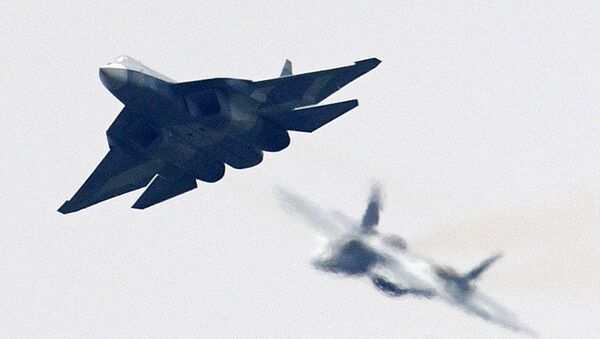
{"points": [[308, 88], [288, 92], [116, 174]]}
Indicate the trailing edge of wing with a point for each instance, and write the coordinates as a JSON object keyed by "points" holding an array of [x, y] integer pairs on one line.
{"points": [[162, 189], [310, 119], [116, 174]]}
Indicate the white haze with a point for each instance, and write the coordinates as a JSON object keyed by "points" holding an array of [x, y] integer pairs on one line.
{"points": [[482, 123]]}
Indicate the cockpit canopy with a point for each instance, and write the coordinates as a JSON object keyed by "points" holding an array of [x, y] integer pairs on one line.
{"points": [[129, 63]]}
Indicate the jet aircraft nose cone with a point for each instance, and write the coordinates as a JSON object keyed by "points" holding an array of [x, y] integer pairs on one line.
{"points": [[113, 77]]}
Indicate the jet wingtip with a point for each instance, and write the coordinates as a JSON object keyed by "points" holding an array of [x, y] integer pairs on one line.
{"points": [[138, 206], [370, 63], [66, 208], [496, 255]]}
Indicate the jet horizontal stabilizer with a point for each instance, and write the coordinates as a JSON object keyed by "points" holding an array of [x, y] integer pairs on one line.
{"points": [[162, 189], [312, 118]]}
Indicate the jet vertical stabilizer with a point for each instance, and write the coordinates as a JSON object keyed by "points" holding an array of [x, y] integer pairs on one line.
{"points": [[287, 69], [476, 272]]}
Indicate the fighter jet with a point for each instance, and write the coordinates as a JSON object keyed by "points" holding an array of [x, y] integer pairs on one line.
{"points": [[356, 249], [171, 134]]}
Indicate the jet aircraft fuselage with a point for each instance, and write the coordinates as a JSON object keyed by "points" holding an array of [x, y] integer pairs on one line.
{"points": [[358, 249], [172, 130], [171, 134]]}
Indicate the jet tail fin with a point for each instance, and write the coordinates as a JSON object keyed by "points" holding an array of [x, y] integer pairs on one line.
{"points": [[370, 218], [287, 69], [476, 272]]}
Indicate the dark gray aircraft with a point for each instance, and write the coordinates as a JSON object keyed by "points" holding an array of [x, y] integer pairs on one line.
{"points": [[171, 134]]}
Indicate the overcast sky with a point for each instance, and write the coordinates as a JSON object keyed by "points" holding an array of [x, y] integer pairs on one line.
{"points": [[482, 125]]}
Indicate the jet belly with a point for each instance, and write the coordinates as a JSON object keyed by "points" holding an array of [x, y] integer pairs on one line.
{"points": [[226, 145], [350, 257], [416, 271]]}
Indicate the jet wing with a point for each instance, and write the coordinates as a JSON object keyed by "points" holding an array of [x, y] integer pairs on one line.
{"points": [[488, 309], [306, 89], [278, 98], [116, 174], [316, 217]]}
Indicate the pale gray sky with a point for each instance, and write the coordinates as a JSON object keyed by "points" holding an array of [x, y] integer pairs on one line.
{"points": [[482, 124]]}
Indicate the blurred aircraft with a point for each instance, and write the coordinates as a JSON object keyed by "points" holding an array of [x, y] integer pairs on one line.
{"points": [[357, 249], [171, 134]]}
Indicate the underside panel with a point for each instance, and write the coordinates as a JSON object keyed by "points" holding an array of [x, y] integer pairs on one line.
{"points": [[207, 169], [269, 137], [235, 153]]}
